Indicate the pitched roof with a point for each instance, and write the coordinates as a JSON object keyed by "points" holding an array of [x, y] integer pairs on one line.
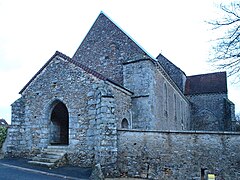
{"points": [[70, 60], [206, 83], [173, 71], [161, 58]]}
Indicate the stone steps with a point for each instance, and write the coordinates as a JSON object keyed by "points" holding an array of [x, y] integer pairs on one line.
{"points": [[48, 155], [46, 164], [42, 159], [57, 153], [52, 156]]}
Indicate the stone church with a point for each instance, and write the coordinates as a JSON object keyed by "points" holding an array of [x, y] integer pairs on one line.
{"points": [[109, 90]]}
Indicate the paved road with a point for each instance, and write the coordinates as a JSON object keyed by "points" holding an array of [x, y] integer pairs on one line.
{"points": [[19, 169], [11, 173]]}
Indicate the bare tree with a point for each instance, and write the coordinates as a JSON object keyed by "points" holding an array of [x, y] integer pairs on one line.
{"points": [[226, 49], [237, 122]]}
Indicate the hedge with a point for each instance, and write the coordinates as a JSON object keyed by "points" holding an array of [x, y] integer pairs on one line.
{"points": [[3, 135]]}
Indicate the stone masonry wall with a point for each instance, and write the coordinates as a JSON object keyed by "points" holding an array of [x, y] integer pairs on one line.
{"points": [[91, 104], [106, 47], [157, 105], [15, 140], [53, 84], [123, 108], [170, 107], [112, 107], [178, 155], [229, 120], [208, 112], [138, 78], [173, 71]]}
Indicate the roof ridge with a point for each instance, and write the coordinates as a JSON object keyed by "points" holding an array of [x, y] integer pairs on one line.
{"points": [[219, 72], [39, 71], [117, 26], [169, 62], [91, 71], [83, 67], [206, 83], [129, 36]]}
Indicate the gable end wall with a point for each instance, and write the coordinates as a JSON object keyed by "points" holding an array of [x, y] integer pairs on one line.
{"points": [[93, 117], [208, 112]]}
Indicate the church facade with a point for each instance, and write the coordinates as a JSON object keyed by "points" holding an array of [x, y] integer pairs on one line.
{"points": [[109, 91]]}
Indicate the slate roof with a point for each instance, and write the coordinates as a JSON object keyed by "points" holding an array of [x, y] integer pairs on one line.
{"points": [[70, 60], [160, 58], [173, 71], [206, 83]]}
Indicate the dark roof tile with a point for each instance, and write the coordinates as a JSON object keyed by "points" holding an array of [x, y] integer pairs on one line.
{"points": [[206, 83]]}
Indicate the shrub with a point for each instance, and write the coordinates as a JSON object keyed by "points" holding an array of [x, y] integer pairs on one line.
{"points": [[3, 135]]}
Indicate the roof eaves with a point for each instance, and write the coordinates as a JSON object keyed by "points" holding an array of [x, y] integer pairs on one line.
{"points": [[118, 85], [193, 86], [204, 93], [167, 76], [85, 68], [223, 73], [94, 73], [137, 60], [169, 62]]}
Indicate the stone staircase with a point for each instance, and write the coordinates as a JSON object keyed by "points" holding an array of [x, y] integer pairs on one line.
{"points": [[52, 156]]}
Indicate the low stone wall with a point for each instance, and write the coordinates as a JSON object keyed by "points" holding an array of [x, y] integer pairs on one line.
{"points": [[178, 154]]}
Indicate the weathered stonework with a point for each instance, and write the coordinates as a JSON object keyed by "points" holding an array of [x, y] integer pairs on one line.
{"points": [[178, 154], [155, 98], [177, 75], [114, 105], [211, 116], [106, 47], [92, 121]]}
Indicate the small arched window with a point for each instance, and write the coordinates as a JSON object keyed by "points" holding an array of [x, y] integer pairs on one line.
{"points": [[124, 123], [165, 95], [175, 106]]}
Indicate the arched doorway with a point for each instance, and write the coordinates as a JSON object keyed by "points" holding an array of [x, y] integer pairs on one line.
{"points": [[59, 125]]}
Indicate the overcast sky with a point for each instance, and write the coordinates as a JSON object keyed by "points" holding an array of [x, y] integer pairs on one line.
{"points": [[31, 32]]}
